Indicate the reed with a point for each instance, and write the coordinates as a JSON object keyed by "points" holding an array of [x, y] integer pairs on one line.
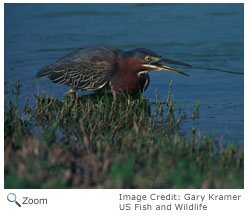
{"points": [[96, 141]]}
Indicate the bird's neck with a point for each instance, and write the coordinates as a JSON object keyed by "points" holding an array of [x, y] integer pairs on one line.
{"points": [[126, 78], [130, 65]]}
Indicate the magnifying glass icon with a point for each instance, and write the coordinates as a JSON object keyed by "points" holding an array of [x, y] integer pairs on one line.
{"points": [[12, 198]]}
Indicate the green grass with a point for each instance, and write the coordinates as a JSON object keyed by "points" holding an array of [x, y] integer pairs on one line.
{"points": [[97, 142]]}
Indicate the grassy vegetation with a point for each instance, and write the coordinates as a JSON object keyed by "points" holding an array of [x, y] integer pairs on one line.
{"points": [[97, 141]]}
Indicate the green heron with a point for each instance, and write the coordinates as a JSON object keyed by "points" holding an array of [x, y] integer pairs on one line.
{"points": [[95, 68]]}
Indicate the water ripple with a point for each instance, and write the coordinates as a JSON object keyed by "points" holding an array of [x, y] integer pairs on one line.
{"points": [[220, 70], [50, 15]]}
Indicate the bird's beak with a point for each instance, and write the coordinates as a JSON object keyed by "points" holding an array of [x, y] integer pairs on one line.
{"points": [[157, 66]]}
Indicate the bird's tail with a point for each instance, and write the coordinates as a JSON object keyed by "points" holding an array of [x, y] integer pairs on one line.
{"points": [[43, 73]]}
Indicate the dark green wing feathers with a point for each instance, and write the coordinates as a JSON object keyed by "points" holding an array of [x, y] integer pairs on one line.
{"points": [[88, 68]]}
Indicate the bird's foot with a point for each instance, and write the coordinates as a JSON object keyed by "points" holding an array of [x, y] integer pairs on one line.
{"points": [[72, 91]]}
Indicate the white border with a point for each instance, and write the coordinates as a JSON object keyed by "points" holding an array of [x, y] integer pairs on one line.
{"points": [[125, 1], [105, 202]]}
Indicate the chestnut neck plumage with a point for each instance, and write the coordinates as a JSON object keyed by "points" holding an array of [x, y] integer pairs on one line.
{"points": [[130, 76]]}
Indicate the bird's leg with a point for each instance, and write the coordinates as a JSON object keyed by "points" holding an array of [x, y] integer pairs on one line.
{"points": [[72, 91], [112, 91]]}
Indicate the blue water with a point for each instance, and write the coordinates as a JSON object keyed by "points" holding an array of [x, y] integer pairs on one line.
{"points": [[207, 36]]}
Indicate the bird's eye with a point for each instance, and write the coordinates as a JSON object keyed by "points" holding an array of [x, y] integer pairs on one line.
{"points": [[148, 58]]}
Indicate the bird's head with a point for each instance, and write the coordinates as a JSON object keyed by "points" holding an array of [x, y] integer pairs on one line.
{"points": [[151, 61]]}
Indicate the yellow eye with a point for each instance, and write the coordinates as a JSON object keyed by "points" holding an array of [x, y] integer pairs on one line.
{"points": [[148, 58]]}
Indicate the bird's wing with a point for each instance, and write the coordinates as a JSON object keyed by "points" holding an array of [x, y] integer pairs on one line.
{"points": [[88, 68]]}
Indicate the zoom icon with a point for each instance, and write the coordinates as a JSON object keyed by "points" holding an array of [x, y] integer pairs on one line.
{"points": [[12, 198]]}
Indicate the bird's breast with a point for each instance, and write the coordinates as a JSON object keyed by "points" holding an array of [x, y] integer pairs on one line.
{"points": [[127, 78]]}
